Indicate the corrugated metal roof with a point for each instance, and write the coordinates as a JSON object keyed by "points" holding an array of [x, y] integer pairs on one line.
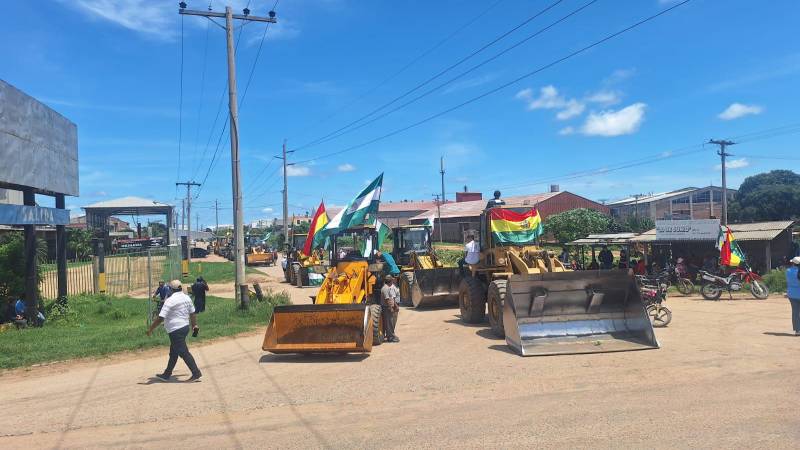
{"points": [[407, 206], [475, 207], [652, 197], [758, 231], [610, 238]]}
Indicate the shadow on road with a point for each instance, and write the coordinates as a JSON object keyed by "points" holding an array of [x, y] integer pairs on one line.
{"points": [[458, 321], [772, 333], [502, 348], [314, 358], [486, 333]]}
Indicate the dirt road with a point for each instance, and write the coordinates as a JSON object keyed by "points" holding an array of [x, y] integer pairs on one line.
{"points": [[726, 376]]}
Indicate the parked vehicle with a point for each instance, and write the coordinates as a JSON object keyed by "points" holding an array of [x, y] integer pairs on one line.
{"points": [[653, 296], [198, 252], [714, 285]]}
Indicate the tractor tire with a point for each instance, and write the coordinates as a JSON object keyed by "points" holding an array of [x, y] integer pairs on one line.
{"points": [[377, 324], [406, 284], [495, 300], [472, 300], [298, 275], [286, 273], [292, 274]]}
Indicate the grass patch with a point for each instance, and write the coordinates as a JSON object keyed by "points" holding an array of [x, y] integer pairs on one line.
{"points": [[98, 325], [775, 280], [214, 272]]}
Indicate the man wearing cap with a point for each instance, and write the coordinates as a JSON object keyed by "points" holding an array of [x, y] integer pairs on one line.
{"points": [[178, 315], [793, 292], [390, 298]]}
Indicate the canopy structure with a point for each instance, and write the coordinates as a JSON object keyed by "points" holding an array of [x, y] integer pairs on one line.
{"points": [[605, 239], [97, 214]]}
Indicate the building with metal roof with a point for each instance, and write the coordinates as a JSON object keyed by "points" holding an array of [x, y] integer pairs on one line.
{"points": [[686, 203]]}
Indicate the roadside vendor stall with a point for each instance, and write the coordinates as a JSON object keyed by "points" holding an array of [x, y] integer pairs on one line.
{"points": [[594, 241]]}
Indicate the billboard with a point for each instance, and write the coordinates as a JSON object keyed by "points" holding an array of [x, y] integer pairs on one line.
{"points": [[687, 230], [38, 146]]}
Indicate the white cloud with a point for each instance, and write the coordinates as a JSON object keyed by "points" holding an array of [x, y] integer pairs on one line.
{"points": [[155, 19], [571, 109], [615, 123], [267, 210], [347, 167], [734, 164], [605, 98], [297, 171], [566, 131], [737, 110], [549, 98], [619, 75]]}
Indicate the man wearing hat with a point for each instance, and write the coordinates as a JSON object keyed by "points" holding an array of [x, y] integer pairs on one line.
{"points": [[793, 291], [178, 315], [390, 298]]}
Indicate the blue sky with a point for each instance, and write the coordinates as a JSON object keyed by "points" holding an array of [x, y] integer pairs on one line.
{"points": [[708, 69]]}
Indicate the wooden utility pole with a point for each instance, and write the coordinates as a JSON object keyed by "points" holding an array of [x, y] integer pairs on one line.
{"points": [[285, 192], [188, 214], [238, 215], [439, 213], [722, 154], [216, 217]]}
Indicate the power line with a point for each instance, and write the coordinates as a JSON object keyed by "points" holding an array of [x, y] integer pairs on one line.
{"points": [[404, 68], [429, 80], [461, 75], [499, 88]]}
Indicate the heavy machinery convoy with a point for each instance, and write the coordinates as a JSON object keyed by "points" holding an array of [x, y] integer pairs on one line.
{"points": [[346, 314], [538, 305], [424, 281]]}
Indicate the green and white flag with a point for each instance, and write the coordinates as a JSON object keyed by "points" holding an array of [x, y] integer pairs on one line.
{"points": [[361, 210], [383, 231], [430, 221]]}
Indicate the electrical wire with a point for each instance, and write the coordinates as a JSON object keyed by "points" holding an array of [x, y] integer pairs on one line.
{"points": [[461, 75], [498, 88], [429, 80], [401, 70]]}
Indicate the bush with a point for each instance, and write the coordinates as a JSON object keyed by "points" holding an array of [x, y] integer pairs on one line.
{"points": [[776, 280], [449, 257]]}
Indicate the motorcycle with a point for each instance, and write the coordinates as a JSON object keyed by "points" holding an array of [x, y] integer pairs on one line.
{"points": [[714, 285], [654, 296], [672, 276]]}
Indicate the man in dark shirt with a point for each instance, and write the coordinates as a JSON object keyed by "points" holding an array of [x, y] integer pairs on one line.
{"points": [[199, 289], [496, 201], [606, 258]]}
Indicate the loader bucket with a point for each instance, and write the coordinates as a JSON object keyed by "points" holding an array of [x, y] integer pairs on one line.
{"points": [[330, 328], [576, 312], [435, 287]]}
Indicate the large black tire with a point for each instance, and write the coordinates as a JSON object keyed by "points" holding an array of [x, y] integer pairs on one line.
{"points": [[292, 273], [406, 284], [472, 299], [298, 275], [684, 286], [759, 289], [377, 324], [287, 275], [711, 291], [495, 300]]}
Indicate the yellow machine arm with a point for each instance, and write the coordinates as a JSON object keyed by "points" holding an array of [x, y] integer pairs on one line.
{"points": [[348, 282]]}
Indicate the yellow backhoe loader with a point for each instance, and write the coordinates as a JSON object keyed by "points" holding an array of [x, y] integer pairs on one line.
{"points": [[541, 308], [345, 316], [424, 281], [294, 249], [259, 255]]}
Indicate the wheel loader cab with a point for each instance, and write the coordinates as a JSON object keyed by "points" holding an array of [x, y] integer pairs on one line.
{"points": [[410, 240]]}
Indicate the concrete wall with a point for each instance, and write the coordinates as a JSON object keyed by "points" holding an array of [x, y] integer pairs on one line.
{"points": [[38, 146]]}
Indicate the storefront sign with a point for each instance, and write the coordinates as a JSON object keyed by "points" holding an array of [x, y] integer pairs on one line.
{"points": [[687, 230]]}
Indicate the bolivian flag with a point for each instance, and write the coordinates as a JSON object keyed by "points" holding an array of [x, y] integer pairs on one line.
{"points": [[317, 223], [729, 252], [515, 228]]}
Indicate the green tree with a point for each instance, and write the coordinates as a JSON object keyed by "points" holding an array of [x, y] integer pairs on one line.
{"points": [[767, 196], [301, 228], [12, 264], [632, 224], [79, 242], [576, 223]]}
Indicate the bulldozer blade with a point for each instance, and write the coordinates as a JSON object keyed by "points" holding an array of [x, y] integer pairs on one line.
{"points": [[576, 312], [435, 287], [329, 328]]}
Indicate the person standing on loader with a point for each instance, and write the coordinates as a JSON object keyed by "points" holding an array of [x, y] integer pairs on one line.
{"points": [[496, 201], [472, 254], [390, 298], [177, 315]]}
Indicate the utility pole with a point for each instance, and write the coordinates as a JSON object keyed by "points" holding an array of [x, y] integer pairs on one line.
{"points": [[238, 215], [285, 192], [188, 214], [439, 213], [636, 198], [216, 217], [722, 154], [183, 214], [441, 171]]}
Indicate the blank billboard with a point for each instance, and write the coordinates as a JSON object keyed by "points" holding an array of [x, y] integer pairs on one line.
{"points": [[38, 146]]}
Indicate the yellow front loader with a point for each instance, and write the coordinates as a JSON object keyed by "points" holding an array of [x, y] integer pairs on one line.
{"points": [[346, 314], [424, 281]]}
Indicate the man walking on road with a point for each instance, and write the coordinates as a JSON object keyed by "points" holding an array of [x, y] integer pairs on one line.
{"points": [[390, 297], [793, 292], [177, 314], [199, 290]]}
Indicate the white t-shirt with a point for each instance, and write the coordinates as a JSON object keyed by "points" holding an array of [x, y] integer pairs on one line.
{"points": [[473, 249], [176, 311]]}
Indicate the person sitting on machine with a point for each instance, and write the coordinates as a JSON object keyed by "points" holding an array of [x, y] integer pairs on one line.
{"points": [[496, 201]]}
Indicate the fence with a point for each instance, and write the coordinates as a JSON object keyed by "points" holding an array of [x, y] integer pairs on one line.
{"points": [[124, 272]]}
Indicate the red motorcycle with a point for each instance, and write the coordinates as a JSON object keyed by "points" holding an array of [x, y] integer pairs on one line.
{"points": [[735, 281]]}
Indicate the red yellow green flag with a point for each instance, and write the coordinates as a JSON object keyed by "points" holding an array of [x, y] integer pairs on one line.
{"points": [[729, 252], [317, 223], [510, 227]]}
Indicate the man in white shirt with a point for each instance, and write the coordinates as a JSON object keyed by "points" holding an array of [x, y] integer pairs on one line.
{"points": [[472, 254], [178, 315]]}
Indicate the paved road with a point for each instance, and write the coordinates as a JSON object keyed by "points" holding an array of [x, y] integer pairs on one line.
{"points": [[726, 376]]}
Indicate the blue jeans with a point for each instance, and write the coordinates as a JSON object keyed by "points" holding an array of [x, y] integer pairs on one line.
{"points": [[795, 313]]}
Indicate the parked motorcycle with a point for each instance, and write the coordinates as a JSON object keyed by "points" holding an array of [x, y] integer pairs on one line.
{"points": [[671, 276], [654, 296], [714, 285]]}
